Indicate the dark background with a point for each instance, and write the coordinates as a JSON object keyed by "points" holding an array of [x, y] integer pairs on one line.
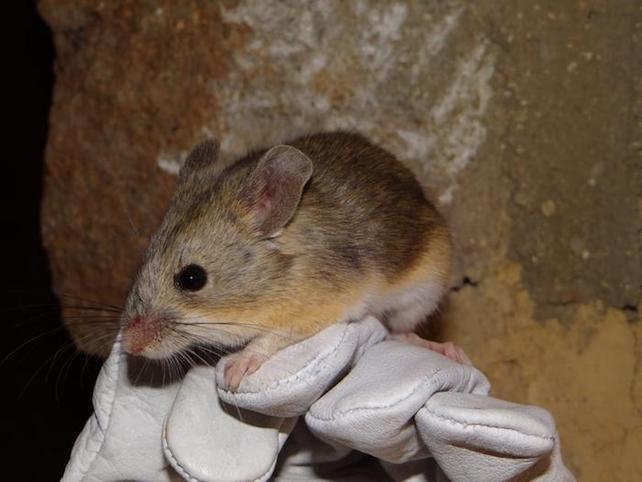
{"points": [[46, 384]]}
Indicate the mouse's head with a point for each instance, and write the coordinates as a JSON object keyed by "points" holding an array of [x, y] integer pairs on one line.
{"points": [[214, 261]]}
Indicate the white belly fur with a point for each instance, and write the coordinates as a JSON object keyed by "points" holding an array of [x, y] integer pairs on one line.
{"points": [[401, 310]]}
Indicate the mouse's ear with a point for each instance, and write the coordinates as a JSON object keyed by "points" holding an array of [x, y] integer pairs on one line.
{"points": [[204, 154], [274, 188]]}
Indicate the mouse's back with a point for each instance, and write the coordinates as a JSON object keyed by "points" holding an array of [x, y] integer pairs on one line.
{"points": [[362, 209]]}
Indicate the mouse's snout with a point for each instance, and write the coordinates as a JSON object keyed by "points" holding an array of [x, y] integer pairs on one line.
{"points": [[141, 333]]}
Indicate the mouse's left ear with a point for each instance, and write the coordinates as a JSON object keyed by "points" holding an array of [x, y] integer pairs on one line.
{"points": [[204, 154], [274, 188]]}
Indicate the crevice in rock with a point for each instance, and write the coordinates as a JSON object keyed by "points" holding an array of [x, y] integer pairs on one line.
{"points": [[630, 307], [636, 370], [466, 281], [631, 312]]}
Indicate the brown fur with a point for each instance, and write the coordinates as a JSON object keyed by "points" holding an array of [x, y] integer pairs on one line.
{"points": [[362, 226]]}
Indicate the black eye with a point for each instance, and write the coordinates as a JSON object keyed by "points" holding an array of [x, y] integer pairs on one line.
{"points": [[191, 278]]}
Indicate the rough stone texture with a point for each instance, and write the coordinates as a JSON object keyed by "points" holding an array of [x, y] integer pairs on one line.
{"points": [[524, 119]]}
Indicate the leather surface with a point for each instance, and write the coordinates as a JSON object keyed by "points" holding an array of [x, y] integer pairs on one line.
{"points": [[347, 404]]}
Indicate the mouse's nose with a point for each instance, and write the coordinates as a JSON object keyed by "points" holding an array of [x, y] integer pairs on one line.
{"points": [[139, 332], [134, 322]]}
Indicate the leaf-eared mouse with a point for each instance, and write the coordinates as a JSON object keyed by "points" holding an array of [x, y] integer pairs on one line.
{"points": [[282, 243]]}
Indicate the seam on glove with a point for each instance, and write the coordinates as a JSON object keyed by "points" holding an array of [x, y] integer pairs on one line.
{"points": [[483, 425], [176, 464], [416, 388], [178, 467], [110, 412], [278, 384]]}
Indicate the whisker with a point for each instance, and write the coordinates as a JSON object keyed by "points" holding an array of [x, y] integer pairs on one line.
{"points": [[49, 294], [27, 342], [41, 367], [63, 373], [140, 371], [90, 322], [57, 307], [254, 326], [37, 317]]}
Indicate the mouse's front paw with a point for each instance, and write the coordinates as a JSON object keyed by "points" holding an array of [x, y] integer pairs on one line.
{"points": [[240, 365], [447, 349]]}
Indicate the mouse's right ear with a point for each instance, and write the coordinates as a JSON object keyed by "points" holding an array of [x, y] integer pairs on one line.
{"points": [[203, 155], [274, 188]]}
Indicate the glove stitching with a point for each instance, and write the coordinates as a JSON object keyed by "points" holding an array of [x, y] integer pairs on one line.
{"points": [[426, 382], [278, 384], [110, 411], [190, 478], [482, 425], [176, 464]]}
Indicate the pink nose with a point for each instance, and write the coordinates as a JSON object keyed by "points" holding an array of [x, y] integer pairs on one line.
{"points": [[134, 322], [139, 332]]}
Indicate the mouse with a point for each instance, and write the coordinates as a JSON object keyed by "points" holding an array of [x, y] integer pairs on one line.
{"points": [[259, 253]]}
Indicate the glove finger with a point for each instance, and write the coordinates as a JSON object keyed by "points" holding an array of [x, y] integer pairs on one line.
{"points": [[207, 440], [291, 380], [474, 437], [373, 408]]}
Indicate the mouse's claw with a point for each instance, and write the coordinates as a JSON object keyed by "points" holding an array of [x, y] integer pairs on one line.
{"points": [[448, 349], [240, 365]]}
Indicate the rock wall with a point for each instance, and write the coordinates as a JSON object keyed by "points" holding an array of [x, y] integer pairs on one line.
{"points": [[523, 119]]}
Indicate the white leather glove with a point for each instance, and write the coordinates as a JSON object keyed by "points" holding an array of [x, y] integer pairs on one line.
{"points": [[417, 414]]}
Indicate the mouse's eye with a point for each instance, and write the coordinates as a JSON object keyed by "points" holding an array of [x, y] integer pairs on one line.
{"points": [[191, 278]]}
